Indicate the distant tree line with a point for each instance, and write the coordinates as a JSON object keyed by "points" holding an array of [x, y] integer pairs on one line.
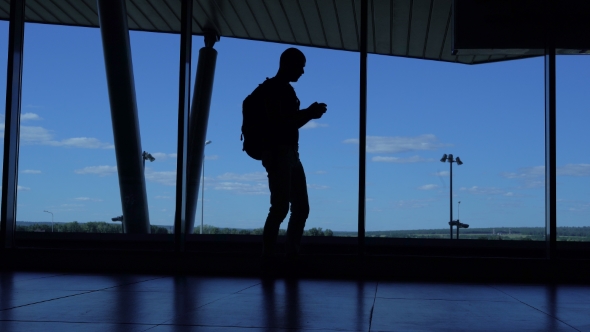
{"points": [[82, 227], [498, 233], [208, 229], [104, 227]]}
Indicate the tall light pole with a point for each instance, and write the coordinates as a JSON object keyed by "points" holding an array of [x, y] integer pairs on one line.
{"points": [[203, 191], [452, 222], [51, 219], [147, 156]]}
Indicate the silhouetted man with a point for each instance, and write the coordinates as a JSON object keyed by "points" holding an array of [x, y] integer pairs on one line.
{"points": [[286, 178]]}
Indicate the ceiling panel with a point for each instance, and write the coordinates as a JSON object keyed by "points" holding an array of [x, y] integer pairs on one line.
{"points": [[248, 20], [419, 24], [264, 20], [149, 11], [296, 21], [410, 28], [169, 11], [382, 15], [314, 25], [37, 8], [329, 20], [280, 21], [214, 16], [401, 27], [232, 19], [348, 17], [4, 8], [440, 23]]}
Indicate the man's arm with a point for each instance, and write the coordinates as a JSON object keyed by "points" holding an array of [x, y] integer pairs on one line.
{"points": [[314, 111], [299, 118]]}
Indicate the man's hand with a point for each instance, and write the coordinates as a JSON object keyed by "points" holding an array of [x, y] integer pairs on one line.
{"points": [[317, 110]]}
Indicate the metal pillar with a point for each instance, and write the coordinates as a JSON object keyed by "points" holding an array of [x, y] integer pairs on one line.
{"points": [[363, 127], [550, 139], [14, 73], [184, 100], [199, 118], [112, 16]]}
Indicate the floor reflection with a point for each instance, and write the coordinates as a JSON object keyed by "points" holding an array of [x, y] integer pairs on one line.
{"points": [[293, 312], [126, 306], [6, 293], [551, 298], [279, 310]]}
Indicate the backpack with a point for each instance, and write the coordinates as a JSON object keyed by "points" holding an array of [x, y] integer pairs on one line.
{"points": [[255, 123]]}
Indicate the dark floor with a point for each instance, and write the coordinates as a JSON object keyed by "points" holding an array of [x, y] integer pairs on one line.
{"points": [[82, 302]]}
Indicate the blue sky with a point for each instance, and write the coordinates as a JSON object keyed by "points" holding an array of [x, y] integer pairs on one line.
{"points": [[492, 116]]}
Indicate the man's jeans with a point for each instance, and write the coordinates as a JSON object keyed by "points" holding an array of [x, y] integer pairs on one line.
{"points": [[287, 184]]}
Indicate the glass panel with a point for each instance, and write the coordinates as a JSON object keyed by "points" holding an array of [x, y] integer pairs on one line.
{"points": [[3, 66], [67, 169], [573, 162], [491, 116], [236, 186], [155, 66]]}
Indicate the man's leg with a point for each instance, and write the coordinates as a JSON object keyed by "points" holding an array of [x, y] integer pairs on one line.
{"points": [[279, 183], [299, 208]]}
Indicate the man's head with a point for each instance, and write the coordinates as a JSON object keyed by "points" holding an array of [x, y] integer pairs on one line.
{"points": [[292, 63]]}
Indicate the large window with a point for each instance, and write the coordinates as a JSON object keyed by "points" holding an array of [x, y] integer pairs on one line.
{"points": [[236, 186], [155, 66], [573, 161], [68, 179], [67, 169], [3, 67], [490, 115]]}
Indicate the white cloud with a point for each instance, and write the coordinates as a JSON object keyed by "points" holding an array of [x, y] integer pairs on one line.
{"points": [[81, 142], [167, 178], [30, 171], [29, 134], [412, 203], [22, 188], [40, 135], [443, 173], [213, 157], [98, 170], [163, 197], [159, 155], [256, 176], [30, 116], [574, 170], [88, 199], [385, 144], [525, 172], [413, 159], [484, 190], [316, 186], [313, 124], [529, 177], [246, 184], [242, 188], [428, 187]]}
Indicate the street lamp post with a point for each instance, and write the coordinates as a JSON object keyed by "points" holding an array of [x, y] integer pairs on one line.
{"points": [[147, 156], [452, 222], [203, 191], [51, 219]]}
